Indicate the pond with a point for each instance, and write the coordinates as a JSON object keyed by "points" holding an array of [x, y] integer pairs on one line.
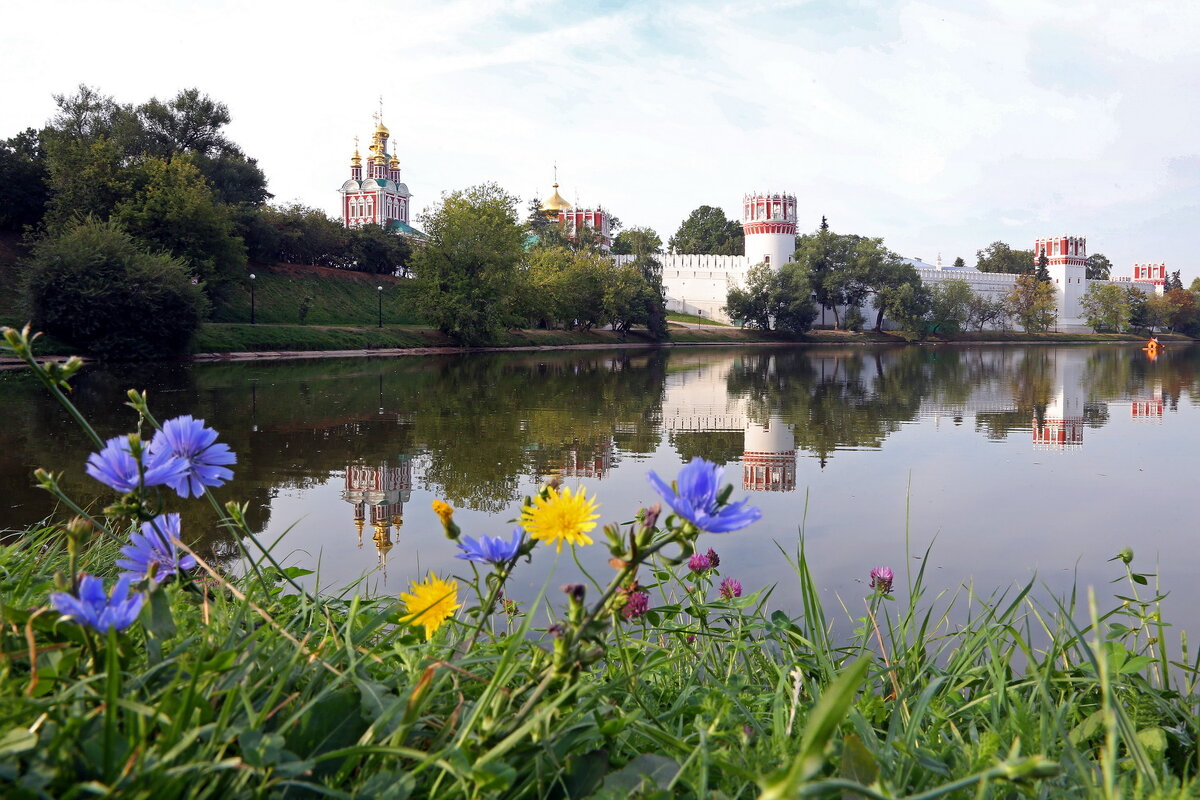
{"points": [[1008, 461]]}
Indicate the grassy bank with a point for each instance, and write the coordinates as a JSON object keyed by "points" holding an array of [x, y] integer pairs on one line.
{"points": [[333, 297], [246, 688]]}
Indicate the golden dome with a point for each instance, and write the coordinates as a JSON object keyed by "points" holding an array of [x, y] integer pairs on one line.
{"points": [[381, 128], [555, 203], [395, 162]]}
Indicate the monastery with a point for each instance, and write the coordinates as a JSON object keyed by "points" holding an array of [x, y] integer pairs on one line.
{"points": [[699, 284]]}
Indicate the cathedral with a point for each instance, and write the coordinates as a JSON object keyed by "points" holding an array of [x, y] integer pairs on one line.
{"points": [[379, 198]]}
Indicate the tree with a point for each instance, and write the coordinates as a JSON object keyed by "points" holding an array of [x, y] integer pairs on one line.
{"points": [[958, 262], [983, 311], [706, 231], [97, 288], [949, 306], [826, 258], [1139, 309], [1173, 282], [999, 257], [23, 180], [637, 241], [1179, 309], [1098, 267], [378, 251], [465, 271], [877, 272], [779, 299], [1106, 307], [753, 304], [1043, 267], [174, 209], [907, 305], [1033, 303]]}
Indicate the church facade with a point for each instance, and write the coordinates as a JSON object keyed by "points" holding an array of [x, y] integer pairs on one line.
{"points": [[374, 193]]}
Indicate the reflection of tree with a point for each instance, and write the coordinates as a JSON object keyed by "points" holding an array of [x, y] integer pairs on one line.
{"points": [[834, 401], [720, 447]]}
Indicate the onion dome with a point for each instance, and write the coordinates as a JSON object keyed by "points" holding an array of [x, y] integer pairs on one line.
{"points": [[394, 163], [555, 203], [381, 128], [356, 159]]}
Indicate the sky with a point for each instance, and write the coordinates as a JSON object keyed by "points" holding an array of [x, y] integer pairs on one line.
{"points": [[939, 126]]}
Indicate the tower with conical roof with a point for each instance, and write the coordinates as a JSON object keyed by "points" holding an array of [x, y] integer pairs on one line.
{"points": [[379, 197]]}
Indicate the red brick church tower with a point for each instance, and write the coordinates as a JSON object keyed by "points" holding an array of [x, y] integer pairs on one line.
{"points": [[379, 197]]}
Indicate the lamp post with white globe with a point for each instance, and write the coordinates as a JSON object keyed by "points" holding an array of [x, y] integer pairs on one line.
{"points": [[252, 276], [380, 288]]}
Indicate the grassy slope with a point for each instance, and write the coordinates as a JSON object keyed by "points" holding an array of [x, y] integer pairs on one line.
{"points": [[338, 297]]}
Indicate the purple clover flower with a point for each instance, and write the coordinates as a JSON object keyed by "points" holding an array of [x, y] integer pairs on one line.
{"points": [[881, 579], [693, 496], [153, 553], [636, 605], [699, 563], [714, 560], [731, 588], [96, 610], [116, 467], [204, 458], [490, 549]]}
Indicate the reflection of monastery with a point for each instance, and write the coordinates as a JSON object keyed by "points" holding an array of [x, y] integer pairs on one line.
{"points": [[378, 494]]}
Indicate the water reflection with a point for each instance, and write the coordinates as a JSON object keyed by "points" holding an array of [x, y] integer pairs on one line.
{"points": [[345, 449]]}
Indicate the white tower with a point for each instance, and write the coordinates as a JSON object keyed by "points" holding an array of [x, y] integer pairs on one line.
{"points": [[1067, 264], [769, 223]]}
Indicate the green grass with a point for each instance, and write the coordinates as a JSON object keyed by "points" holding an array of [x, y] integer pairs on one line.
{"points": [[336, 297], [675, 316]]}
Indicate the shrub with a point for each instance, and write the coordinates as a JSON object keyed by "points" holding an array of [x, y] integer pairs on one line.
{"points": [[96, 288]]}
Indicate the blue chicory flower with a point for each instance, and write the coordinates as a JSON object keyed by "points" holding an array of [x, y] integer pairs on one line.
{"points": [[205, 459], [490, 549], [153, 551], [115, 466], [694, 497], [95, 609]]}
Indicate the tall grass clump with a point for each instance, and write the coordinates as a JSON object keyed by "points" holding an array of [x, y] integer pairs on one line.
{"points": [[131, 666]]}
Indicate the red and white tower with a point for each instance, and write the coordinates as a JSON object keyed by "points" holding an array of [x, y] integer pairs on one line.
{"points": [[1067, 264], [379, 198], [769, 223], [1151, 273], [769, 458]]}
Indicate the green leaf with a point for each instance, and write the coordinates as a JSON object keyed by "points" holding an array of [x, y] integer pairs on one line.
{"points": [[645, 772], [17, 741], [1154, 740]]}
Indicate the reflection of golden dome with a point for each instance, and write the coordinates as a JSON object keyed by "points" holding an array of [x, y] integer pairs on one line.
{"points": [[555, 203]]}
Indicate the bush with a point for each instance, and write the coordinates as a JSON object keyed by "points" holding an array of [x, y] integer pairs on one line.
{"points": [[96, 288]]}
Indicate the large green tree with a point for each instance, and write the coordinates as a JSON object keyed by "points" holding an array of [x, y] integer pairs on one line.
{"points": [[706, 231], [827, 259], [1098, 267], [174, 209], [778, 299], [1033, 303], [24, 191], [637, 241], [98, 288], [999, 257], [1106, 307], [466, 271]]}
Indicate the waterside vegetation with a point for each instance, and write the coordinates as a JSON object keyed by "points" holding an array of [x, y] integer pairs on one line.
{"points": [[668, 679]]}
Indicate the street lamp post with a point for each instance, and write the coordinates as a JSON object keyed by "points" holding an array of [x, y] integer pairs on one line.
{"points": [[252, 276], [380, 288]]}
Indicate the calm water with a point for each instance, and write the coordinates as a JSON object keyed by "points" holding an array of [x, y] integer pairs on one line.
{"points": [[1009, 460]]}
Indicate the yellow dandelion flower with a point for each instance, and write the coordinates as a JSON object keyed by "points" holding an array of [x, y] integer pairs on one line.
{"points": [[430, 603], [443, 510], [561, 517]]}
